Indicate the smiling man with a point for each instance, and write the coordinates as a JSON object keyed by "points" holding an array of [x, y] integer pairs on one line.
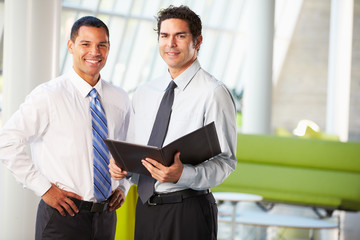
{"points": [[181, 206], [64, 121]]}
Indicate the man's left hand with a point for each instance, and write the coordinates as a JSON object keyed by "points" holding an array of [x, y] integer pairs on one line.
{"points": [[163, 173], [117, 199]]}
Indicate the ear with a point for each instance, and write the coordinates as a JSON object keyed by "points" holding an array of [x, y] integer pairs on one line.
{"points": [[70, 46], [198, 42]]}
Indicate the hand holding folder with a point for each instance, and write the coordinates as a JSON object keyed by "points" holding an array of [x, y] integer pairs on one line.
{"points": [[195, 147]]}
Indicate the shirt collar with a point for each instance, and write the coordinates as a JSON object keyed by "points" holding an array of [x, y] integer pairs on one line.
{"points": [[185, 77], [82, 86]]}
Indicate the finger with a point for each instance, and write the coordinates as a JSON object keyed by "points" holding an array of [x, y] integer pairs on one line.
{"points": [[115, 205], [177, 161], [113, 165], [177, 157], [115, 195], [117, 176], [147, 165], [72, 206], [152, 170], [67, 207], [154, 163], [122, 200], [74, 195], [60, 210], [119, 201], [70, 202]]}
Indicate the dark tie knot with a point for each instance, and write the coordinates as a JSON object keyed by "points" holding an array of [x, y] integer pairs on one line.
{"points": [[93, 93], [172, 85]]}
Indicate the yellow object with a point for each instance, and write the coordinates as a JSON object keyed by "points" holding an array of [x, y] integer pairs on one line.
{"points": [[126, 216], [282, 132], [309, 129]]}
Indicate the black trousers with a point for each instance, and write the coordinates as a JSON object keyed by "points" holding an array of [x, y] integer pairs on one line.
{"points": [[85, 225], [195, 218]]}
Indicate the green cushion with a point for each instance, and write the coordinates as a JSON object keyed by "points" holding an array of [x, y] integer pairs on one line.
{"points": [[301, 171], [298, 185], [313, 153]]}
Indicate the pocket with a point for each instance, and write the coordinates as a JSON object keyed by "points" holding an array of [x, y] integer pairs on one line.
{"points": [[209, 209], [44, 215]]}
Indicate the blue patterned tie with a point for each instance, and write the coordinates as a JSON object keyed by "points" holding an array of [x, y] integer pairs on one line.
{"points": [[102, 180]]}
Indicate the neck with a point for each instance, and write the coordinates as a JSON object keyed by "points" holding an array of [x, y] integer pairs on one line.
{"points": [[175, 72]]}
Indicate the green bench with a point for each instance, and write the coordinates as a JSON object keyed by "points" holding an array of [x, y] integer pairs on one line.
{"points": [[311, 172]]}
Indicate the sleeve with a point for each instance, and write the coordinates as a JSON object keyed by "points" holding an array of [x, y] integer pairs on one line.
{"points": [[24, 127], [220, 108], [125, 183]]}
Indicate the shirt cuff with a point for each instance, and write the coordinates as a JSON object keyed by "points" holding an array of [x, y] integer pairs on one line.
{"points": [[187, 176], [41, 186]]}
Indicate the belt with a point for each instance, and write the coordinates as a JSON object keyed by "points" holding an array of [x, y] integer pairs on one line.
{"points": [[91, 206], [174, 197]]}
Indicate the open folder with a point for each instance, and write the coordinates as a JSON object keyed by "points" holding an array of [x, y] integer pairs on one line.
{"points": [[195, 147]]}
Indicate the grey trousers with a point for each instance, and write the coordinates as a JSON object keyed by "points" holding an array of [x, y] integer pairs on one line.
{"points": [[84, 225], [194, 218]]}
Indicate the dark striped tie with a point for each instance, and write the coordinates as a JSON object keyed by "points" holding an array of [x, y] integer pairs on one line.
{"points": [[102, 180], [157, 137]]}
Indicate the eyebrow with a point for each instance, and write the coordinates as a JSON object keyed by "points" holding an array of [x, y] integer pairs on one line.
{"points": [[178, 33], [87, 41]]}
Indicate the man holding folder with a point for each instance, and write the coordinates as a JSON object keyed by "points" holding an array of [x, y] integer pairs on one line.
{"points": [[176, 203]]}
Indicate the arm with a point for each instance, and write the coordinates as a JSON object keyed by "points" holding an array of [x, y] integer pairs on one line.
{"points": [[28, 125], [220, 109]]}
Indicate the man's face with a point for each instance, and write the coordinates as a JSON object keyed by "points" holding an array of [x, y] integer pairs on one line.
{"points": [[176, 45], [90, 51]]}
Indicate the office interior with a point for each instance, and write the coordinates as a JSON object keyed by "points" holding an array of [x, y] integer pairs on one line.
{"points": [[291, 65]]}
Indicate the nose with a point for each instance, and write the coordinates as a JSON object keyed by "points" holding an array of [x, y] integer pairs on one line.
{"points": [[95, 50], [171, 42]]}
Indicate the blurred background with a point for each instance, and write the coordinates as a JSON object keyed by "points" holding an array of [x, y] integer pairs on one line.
{"points": [[294, 62], [301, 63]]}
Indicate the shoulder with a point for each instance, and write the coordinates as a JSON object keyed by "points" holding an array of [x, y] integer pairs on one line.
{"points": [[114, 95], [113, 91], [49, 89], [149, 88], [213, 85]]}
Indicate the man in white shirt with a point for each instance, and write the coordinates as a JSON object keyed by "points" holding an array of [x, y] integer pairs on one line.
{"points": [[57, 123], [182, 206]]}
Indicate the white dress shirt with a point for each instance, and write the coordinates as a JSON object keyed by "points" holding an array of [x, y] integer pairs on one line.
{"points": [[199, 99], [55, 120]]}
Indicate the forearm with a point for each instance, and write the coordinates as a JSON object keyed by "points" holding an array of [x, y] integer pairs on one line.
{"points": [[207, 174]]}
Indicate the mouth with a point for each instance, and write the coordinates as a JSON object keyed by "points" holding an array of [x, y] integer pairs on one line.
{"points": [[93, 61], [172, 53]]}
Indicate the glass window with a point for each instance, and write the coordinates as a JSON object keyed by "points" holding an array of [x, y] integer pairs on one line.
{"points": [[134, 57]]}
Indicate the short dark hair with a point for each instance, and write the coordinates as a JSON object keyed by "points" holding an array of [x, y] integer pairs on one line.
{"points": [[184, 13], [89, 21]]}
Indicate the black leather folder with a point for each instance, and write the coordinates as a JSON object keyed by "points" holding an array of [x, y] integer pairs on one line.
{"points": [[195, 147]]}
